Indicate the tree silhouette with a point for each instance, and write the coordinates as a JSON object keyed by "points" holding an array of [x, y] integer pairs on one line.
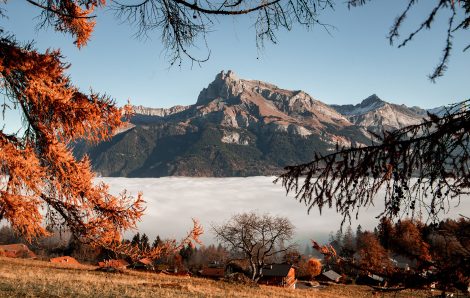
{"points": [[144, 242], [136, 239], [156, 242], [422, 167], [458, 20], [257, 237], [183, 24]]}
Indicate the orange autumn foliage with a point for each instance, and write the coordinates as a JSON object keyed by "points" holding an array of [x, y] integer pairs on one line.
{"points": [[41, 182], [39, 169], [69, 16], [314, 267], [327, 251], [373, 257], [408, 240]]}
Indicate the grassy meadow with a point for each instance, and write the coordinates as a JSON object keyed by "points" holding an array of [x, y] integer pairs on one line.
{"points": [[35, 278]]}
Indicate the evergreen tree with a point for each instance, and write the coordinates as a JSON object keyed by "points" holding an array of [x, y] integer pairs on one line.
{"points": [[136, 240], [157, 242], [186, 252], [348, 246], [144, 243], [385, 232], [358, 235]]}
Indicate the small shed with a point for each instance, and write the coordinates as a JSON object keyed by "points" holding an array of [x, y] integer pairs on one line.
{"points": [[65, 260], [279, 275], [18, 250], [330, 275]]}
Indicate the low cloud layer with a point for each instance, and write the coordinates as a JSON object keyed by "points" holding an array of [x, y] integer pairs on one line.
{"points": [[173, 201]]}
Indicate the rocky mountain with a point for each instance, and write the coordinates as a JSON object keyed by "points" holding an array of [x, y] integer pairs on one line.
{"points": [[239, 127], [377, 115]]}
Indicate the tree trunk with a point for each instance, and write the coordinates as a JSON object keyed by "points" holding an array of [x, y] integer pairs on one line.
{"points": [[253, 270]]}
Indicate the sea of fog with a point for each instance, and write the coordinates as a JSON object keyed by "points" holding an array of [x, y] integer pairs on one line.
{"points": [[172, 202]]}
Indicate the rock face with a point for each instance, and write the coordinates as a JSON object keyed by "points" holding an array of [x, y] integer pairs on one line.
{"points": [[240, 127], [377, 115], [160, 112]]}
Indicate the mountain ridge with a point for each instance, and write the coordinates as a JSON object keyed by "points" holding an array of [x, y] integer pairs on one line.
{"points": [[240, 127]]}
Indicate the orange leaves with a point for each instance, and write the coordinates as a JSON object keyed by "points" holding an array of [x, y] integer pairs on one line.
{"points": [[314, 267], [38, 81], [408, 240], [326, 250], [21, 182], [373, 256], [75, 18], [40, 168]]}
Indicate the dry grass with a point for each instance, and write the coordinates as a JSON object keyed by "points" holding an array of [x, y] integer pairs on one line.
{"points": [[32, 278]]}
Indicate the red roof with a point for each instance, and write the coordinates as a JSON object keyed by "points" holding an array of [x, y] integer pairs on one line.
{"points": [[17, 251], [64, 260], [114, 263], [146, 261]]}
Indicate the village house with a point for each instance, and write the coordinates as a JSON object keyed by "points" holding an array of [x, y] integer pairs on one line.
{"points": [[282, 275], [212, 272]]}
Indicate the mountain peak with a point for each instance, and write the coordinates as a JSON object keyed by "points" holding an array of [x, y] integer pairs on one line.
{"points": [[225, 85], [371, 100], [229, 76]]}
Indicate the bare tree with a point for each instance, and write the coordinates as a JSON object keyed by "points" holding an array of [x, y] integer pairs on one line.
{"points": [[457, 20], [423, 167], [184, 24], [259, 237]]}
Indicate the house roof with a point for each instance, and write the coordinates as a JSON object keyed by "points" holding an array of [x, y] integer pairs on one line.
{"points": [[145, 261], [213, 272], [114, 263], [18, 250], [331, 275], [276, 270], [64, 260]]}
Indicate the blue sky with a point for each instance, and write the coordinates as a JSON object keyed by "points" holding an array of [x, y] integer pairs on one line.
{"points": [[346, 67]]}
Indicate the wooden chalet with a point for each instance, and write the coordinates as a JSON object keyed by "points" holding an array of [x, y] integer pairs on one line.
{"points": [[282, 275], [212, 272]]}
